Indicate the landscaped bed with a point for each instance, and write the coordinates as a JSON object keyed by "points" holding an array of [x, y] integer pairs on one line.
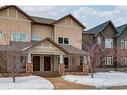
{"points": [[26, 82], [101, 79]]}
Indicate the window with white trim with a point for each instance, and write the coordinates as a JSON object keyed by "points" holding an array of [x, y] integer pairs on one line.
{"points": [[109, 60], [125, 58], [1, 34], [15, 36], [23, 37], [122, 45], [125, 44], [108, 43], [66, 41], [62, 40], [99, 40], [35, 38], [122, 60]]}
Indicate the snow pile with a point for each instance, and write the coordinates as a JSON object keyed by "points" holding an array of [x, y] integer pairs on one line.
{"points": [[27, 82], [101, 79]]}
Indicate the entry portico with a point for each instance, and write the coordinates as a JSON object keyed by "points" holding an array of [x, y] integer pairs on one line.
{"points": [[48, 56]]}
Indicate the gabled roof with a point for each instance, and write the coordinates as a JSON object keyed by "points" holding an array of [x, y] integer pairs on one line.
{"points": [[101, 27], [41, 20], [67, 49], [70, 15], [120, 29], [7, 6]]}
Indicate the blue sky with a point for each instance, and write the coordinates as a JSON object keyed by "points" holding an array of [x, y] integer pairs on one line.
{"points": [[90, 16]]}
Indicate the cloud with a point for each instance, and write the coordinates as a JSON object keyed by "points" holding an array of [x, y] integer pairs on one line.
{"points": [[90, 16], [41, 11]]}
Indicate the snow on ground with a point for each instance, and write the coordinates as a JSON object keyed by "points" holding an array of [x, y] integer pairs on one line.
{"points": [[101, 79], [27, 82]]}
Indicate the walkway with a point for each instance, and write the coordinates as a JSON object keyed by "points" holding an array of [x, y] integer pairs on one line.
{"points": [[59, 83]]}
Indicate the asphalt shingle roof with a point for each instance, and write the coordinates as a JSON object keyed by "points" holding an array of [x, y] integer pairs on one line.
{"points": [[99, 28], [43, 20], [72, 50], [120, 29]]}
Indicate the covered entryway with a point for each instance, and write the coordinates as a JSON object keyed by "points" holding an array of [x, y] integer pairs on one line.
{"points": [[47, 63], [36, 63], [52, 57]]}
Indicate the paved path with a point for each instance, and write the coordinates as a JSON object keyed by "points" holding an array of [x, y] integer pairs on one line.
{"points": [[59, 83]]}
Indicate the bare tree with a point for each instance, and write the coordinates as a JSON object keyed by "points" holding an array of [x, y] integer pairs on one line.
{"points": [[97, 53], [13, 57]]}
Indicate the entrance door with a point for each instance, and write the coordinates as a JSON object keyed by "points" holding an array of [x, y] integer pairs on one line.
{"points": [[47, 63], [36, 63]]}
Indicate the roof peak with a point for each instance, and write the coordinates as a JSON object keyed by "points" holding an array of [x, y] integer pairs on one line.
{"points": [[99, 27]]}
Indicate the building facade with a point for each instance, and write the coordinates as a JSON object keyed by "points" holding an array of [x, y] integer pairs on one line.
{"points": [[109, 45], [50, 45]]}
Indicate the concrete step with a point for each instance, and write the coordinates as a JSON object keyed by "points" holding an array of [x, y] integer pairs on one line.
{"points": [[47, 74]]}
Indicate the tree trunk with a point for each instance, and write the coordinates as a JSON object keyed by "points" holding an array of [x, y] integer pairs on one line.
{"points": [[13, 77], [92, 73], [92, 67]]}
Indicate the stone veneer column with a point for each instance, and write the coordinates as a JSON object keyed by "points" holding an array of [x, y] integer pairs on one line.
{"points": [[61, 65], [29, 64], [85, 64]]}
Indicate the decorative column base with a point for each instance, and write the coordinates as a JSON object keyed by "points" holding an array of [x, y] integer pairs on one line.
{"points": [[86, 69], [29, 68], [61, 69]]}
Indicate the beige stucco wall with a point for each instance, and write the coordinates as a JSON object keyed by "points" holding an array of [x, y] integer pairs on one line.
{"points": [[70, 29], [41, 49], [10, 22], [42, 30]]}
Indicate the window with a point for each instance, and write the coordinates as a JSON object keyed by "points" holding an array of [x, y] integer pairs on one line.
{"points": [[122, 44], [108, 60], [125, 44], [122, 60], [36, 38], [125, 58], [66, 62], [60, 40], [66, 41], [108, 43], [15, 36], [23, 37], [99, 40], [1, 34]]}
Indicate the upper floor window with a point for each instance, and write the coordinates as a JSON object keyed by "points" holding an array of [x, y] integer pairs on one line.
{"points": [[125, 44], [1, 34], [108, 43], [109, 60], [66, 41], [62, 40], [122, 44], [15, 36], [36, 38], [99, 40], [23, 37]]}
